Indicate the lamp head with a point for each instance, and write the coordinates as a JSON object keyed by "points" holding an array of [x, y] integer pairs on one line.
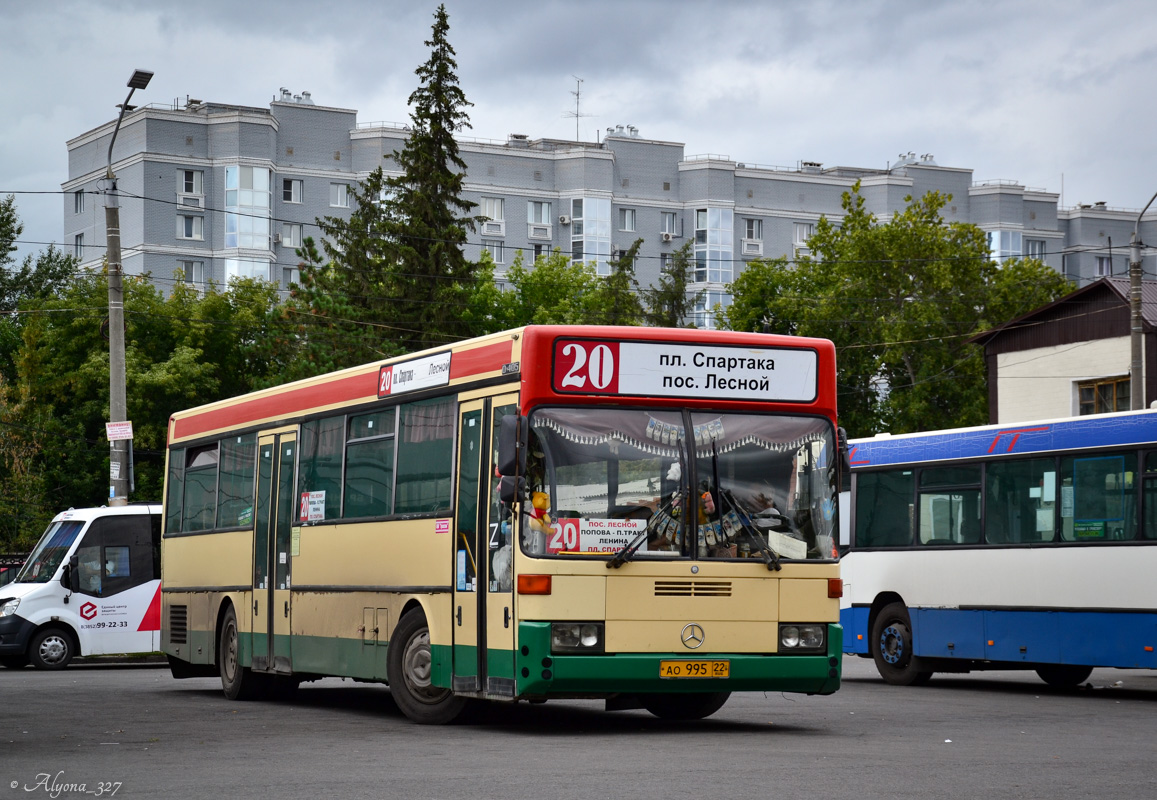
{"points": [[140, 79]]}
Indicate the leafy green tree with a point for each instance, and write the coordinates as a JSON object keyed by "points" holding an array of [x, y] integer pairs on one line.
{"points": [[670, 303], [900, 300], [556, 291]]}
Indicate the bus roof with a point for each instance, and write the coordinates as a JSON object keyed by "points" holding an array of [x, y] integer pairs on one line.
{"points": [[1017, 438], [500, 357]]}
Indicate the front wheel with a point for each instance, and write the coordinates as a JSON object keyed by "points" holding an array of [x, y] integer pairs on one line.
{"points": [[892, 648], [52, 648], [409, 670], [1064, 676], [238, 682], [676, 706]]}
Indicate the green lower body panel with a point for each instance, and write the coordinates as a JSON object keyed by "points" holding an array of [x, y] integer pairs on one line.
{"points": [[539, 673]]}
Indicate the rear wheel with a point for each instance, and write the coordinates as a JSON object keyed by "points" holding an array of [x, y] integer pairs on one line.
{"points": [[684, 706], [238, 682], [409, 670], [892, 648], [1064, 676], [51, 648]]}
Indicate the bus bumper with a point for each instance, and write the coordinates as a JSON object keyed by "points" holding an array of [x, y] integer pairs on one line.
{"points": [[539, 673], [15, 631]]}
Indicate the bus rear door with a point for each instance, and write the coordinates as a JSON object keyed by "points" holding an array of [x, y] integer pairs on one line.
{"points": [[272, 556]]}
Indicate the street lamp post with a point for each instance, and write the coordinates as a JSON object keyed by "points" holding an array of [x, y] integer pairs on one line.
{"points": [[117, 406], [1136, 372]]}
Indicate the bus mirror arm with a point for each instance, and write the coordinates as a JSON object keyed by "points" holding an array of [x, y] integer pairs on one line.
{"points": [[842, 448]]}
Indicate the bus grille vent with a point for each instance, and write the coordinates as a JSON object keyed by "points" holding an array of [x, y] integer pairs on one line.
{"points": [[179, 624], [693, 588]]}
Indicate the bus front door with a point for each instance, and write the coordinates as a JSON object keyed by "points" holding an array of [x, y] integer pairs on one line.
{"points": [[273, 557], [483, 570]]}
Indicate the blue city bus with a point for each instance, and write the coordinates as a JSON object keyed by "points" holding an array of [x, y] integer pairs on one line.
{"points": [[1022, 546]]}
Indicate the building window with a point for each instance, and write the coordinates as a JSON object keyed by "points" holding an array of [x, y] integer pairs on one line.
{"points": [[291, 190], [78, 246], [541, 250], [289, 276], [339, 195], [191, 181], [626, 219], [753, 229], [494, 248], [1004, 244], [190, 226], [1034, 248], [194, 272], [291, 234], [494, 208], [247, 208], [1104, 396], [704, 313], [714, 236], [801, 232], [668, 222], [246, 268], [78, 201], [590, 232], [538, 213], [1104, 266]]}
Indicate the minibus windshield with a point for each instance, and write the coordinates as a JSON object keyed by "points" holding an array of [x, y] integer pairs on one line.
{"points": [[50, 551]]}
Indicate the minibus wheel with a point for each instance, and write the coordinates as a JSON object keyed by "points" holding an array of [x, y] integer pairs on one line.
{"points": [[892, 647], [408, 669], [675, 706], [51, 648]]}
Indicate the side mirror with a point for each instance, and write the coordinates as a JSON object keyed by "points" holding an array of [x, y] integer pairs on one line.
{"points": [[512, 438], [511, 489], [72, 575], [842, 447]]}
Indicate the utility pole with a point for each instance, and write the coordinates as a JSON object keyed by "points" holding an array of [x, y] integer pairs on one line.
{"points": [[118, 494], [1136, 371]]}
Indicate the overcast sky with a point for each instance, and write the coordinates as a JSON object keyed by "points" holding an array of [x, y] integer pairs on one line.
{"points": [[1055, 94]]}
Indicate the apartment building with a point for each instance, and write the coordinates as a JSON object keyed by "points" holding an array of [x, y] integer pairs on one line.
{"points": [[213, 191]]}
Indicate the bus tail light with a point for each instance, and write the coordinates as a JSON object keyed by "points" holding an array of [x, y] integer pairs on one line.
{"points": [[534, 584], [835, 587]]}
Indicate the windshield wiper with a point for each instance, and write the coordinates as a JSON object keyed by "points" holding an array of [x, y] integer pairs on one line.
{"points": [[749, 527], [628, 551]]}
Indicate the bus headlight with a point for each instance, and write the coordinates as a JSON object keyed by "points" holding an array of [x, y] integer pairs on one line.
{"points": [[576, 637], [8, 607], [802, 637]]}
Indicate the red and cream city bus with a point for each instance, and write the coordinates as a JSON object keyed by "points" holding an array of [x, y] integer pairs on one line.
{"points": [[637, 514]]}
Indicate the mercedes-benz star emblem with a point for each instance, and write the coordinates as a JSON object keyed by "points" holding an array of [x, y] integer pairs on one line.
{"points": [[692, 636]]}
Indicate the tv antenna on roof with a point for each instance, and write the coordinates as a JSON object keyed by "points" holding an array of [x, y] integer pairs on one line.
{"points": [[578, 92]]}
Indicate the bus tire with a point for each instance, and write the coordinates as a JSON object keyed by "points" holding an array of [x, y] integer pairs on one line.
{"points": [[1064, 676], [408, 670], [675, 706], [14, 662], [892, 647], [238, 682], [51, 648]]}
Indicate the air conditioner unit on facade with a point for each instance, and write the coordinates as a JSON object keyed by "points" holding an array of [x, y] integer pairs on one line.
{"points": [[564, 220], [277, 238], [666, 237]]}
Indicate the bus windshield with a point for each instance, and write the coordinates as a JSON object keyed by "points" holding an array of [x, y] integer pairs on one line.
{"points": [[697, 484], [50, 551]]}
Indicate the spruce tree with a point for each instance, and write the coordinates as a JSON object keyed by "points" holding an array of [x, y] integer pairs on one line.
{"points": [[425, 215], [670, 304]]}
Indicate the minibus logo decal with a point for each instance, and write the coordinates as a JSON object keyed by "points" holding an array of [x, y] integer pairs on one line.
{"points": [[88, 610]]}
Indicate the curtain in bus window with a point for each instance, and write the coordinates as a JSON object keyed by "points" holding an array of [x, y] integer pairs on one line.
{"points": [[200, 510], [175, 484], [884, 508], [1020, 501], [1098, 498], [426, 456], [235, 497], [320, 450]]}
